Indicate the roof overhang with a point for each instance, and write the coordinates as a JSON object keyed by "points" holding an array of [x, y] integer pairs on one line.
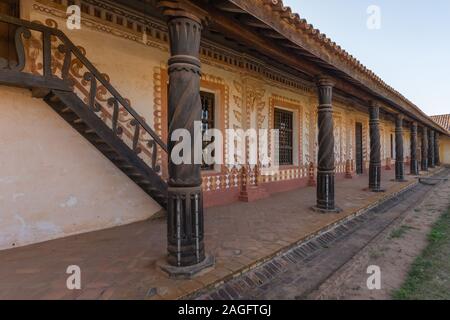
{"points": [[287, 30], [275, 32]]}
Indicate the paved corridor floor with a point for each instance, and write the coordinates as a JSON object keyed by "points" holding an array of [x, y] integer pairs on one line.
{"points": [[327, 260], [120, 263]]}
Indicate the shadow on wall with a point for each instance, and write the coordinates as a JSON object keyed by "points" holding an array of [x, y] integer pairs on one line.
{"points": [[53, 182]]}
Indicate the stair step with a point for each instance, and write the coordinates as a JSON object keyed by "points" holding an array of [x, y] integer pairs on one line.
{"points": [[126, 167], [70, 108], [152, 189], [66, 110], [54, 99], [106, 148], [117, 160], [39, 92], [144, 182], [135, 174], [78, 121]]}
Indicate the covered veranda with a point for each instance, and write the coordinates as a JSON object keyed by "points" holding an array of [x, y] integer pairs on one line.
{"points": [[122, 263]]}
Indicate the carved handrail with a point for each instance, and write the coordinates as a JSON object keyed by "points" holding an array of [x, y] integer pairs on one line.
{"points": [[92, 76]]}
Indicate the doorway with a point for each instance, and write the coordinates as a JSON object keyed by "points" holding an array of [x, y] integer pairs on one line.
{"points": [[7, 32]]}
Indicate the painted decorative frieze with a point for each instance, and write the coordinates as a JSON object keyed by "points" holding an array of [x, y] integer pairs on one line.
{"points": [[133, 26]]}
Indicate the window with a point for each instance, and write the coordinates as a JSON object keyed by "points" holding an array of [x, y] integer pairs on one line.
{"points": [[97, 13], [7, 32], [207, 120], [284, 123], [109, 17], [84, 8]]}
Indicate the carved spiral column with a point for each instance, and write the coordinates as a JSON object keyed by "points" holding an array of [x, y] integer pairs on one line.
{"points": [[375, 148], [431, 152], [414, 161], [326, 163], [437, 157], [424, 164], [185, 227], [399, 160]]}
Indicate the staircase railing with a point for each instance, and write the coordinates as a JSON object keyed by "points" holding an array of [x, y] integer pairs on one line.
{"points": [[73, 55]]}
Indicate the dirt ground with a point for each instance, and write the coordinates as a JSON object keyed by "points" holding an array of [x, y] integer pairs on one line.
{"points": [[394, 251]]}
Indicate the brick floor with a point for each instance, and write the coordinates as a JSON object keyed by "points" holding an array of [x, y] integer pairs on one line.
{"points": [[295, 273], [120, 263]]}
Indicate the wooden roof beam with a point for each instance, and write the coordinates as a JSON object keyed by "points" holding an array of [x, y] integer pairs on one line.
{"points": [[229, 7]]}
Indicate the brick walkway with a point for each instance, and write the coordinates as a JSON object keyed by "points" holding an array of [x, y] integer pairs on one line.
{"points": [[294, 274], [120, 263]]}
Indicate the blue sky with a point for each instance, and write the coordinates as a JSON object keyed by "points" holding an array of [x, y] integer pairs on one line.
{"points": [[410, 52]]}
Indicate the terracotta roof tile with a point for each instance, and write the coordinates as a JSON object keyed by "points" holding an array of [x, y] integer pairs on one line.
{"points": [[442, 120], [301, 24], [295, 18]]}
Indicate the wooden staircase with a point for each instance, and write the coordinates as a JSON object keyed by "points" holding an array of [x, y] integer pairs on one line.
{"points": [[75, 112], [59, 93]]}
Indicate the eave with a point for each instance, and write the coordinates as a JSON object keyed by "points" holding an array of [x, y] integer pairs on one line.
{"points": [[311, 44], [274, 31]]}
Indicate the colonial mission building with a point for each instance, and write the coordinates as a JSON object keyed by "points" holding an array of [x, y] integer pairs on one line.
{"points": [[87, 114]]}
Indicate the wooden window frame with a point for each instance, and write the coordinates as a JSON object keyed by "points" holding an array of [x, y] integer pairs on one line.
{"points": [[210, 120], [289, 149]]}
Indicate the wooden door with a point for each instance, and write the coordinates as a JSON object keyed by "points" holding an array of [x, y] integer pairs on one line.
{"points": [[7, 47]]}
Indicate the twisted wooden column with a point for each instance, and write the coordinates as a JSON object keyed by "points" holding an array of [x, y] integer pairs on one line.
{"points": [[414, 165], [375, 148], [424, 164], [399, 159], [185, 226], [437, 157], [431, 152], [326, 163]]}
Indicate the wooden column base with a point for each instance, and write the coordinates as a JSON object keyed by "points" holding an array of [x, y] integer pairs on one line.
{"points": [[188, 272]]}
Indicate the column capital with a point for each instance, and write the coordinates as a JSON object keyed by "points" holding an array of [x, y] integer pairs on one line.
{"points": [[324, 81], [374, 110], [399, 121], [373, 104], [183, 9], [325, 90]]}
